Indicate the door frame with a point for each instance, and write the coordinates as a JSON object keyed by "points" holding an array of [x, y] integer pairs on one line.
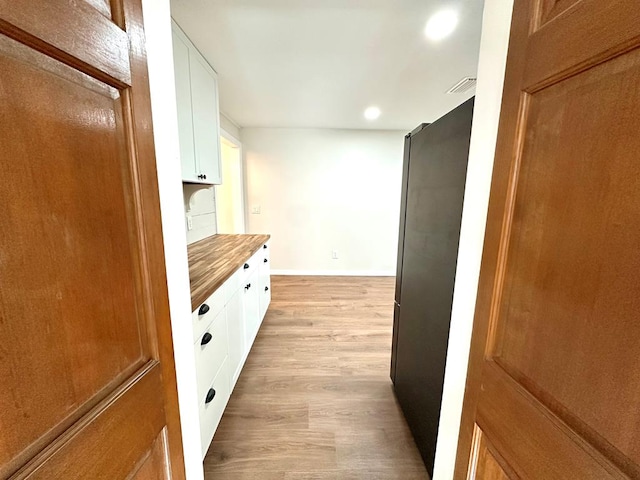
{"points": [[226, 135]]}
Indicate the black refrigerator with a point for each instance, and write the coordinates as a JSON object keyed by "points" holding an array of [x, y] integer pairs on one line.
{"points": [[434, 174]]}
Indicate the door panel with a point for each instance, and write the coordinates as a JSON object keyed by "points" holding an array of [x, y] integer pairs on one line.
{"points": [[94, 43], [134, 412], [554, 375], [86, 361], [152, 466], [88, 226], [544, 308], [487, 464], [103, 6]]}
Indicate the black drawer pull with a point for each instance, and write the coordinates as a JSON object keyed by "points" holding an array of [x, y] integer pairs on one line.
{"points": [[266, 289], [265, 260], [264, 246], [206, 338], [248, 286], [210, 394], [204, 308], [246, 265]]}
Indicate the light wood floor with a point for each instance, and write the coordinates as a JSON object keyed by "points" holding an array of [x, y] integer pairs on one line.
{"points": [[314, 400]]}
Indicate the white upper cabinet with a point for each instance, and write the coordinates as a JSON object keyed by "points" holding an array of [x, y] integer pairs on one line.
{"points": [[198, 112]]}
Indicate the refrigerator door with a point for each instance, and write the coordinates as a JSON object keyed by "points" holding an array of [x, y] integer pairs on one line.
{"points": [[435, 191]]}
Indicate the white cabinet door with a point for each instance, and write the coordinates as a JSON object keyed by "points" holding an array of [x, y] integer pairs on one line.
{"points": [[251, 308], [183, 101], [212, 406], [198, 112], [206, 131], [235, 329]]}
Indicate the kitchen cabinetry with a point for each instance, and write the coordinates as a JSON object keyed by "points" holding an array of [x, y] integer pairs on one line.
{"points": [[225, 326], [264, 281], [198, 112]]}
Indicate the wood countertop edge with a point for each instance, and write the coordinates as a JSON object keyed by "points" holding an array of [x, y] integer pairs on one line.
{"points": [[216, 243]]}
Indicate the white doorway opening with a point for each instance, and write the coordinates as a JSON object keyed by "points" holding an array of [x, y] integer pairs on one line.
{"points": [[230, 195]]}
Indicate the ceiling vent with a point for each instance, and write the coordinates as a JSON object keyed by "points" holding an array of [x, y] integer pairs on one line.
{"points": [[463, 85]]}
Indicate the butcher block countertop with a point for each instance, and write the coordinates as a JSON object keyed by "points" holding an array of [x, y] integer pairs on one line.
{"points": [[214, 259]]}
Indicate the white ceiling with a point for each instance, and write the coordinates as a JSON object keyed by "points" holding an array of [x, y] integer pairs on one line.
{"points": [[320, 63]]}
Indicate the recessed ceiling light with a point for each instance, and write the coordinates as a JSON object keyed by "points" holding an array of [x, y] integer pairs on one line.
{"points": [[441, 24], [372, 113]]}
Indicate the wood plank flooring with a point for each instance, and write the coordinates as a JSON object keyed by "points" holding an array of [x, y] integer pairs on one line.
{"points": [[314, 400]]}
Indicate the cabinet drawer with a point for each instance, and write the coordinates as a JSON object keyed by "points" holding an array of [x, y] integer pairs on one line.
{"points": [[215, 304], [209, 357], [253, 263], [211, 412]]}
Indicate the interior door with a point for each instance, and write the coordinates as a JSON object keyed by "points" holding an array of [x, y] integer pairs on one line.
{"points": [[86, 360], [554, 375]]}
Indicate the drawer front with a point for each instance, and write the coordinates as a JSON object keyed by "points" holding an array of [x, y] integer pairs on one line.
{"points": [[200, 322], [209, 357], [211, 413], [253, 264]]}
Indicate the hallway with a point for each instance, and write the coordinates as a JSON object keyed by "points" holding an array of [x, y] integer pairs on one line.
{"points": [[314, 400]]}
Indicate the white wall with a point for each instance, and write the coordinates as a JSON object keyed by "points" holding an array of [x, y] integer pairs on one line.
{"points": [[493, 51], [324, 190], [200, 205], [165, 128]]}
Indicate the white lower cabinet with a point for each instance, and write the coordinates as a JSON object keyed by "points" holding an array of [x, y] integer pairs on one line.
{"points": [[225, 327], [250, 309], [236, 336], [212, 406]]}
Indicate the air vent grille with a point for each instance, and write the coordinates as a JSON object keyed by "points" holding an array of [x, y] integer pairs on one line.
{"points": [[463, 85]]}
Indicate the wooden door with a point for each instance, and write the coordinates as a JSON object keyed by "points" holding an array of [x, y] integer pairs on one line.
{"points": [[553, 388], [86, 361]]}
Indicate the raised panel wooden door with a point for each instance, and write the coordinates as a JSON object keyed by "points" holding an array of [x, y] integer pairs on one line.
{"points": [[86, 362], [554, 378]]}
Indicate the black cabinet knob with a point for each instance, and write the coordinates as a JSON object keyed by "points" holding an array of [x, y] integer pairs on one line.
{"points": [[204, 176], [210, 394], [265, 260], [204, 308], [248, 286], [246, 265], [264, 246], [266, 289], [206, 338]]}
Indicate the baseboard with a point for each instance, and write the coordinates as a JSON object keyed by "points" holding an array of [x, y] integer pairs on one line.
{"points": [[337, 273]]}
